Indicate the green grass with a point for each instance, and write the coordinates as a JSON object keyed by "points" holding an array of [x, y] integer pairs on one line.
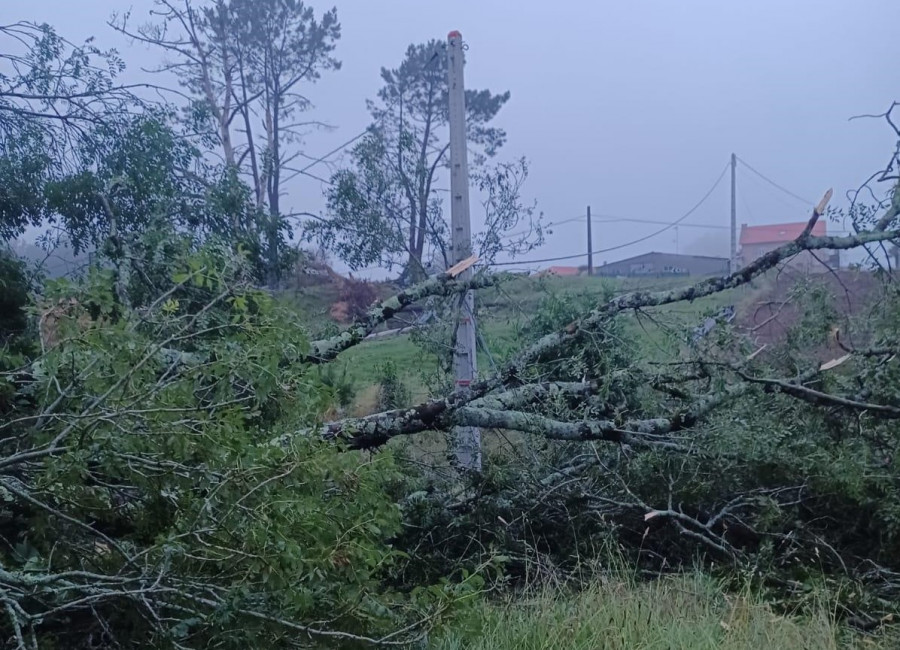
{"points": [[502, 312], [689, 613], [363, 361]]}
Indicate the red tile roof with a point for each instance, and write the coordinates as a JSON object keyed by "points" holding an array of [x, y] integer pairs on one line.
{"points": [[778, 233], [563, 270]]}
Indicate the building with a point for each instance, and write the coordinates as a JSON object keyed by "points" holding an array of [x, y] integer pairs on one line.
{"points": [[756, 241], [562, 271], [664, 264]]}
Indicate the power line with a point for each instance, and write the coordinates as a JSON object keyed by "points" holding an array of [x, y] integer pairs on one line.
{"points": [[677, 221], [546, 259], [549, 224], [333, 151], [773, 183], [668, 226], [367, 129], [614, 219], [609, 218]]}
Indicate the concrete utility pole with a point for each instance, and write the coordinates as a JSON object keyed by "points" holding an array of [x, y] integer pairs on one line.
{"points": [[590, 245], [467, 440], [734, 260]]}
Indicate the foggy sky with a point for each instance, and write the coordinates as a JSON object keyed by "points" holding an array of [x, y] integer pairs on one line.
{"points": [[631, 107]]}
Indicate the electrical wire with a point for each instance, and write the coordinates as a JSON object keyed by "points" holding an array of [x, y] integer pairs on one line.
{"points": [[773, 183], [609, 218], [546, 259], [631, 243], [614, 219], [674, 223], [367, 130]]}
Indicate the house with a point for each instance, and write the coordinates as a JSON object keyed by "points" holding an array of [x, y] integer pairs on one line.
{"points": [[562, 271], [756, 241], [664, 264]]}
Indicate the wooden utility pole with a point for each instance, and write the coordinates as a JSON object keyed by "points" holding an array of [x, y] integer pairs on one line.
{"points": [[590, 245], [734, 262], [467, 440]]}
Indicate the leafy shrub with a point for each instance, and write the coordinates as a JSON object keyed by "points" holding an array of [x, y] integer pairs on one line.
{"points": [[145, 503], [392, 392], [14, 298]]}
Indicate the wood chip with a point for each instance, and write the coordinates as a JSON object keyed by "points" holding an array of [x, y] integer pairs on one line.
{"points": [[753, 356], [459, 267], [820, 209], [834, 363]]}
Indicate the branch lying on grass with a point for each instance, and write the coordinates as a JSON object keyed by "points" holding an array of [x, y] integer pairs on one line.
{"points": [[444, 284], [469, 408], [375, 430], [75, 590], [639, 433]]}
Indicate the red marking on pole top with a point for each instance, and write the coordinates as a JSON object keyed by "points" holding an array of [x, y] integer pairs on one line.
{"points": [[463, 382], [454, 34]]}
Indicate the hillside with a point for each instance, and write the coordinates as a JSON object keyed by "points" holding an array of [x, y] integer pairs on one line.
{"points": [[503, 312], [764, 311]]}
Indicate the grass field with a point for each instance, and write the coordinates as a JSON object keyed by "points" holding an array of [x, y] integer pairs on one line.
{"points": [[502, 312], [680, 613]]}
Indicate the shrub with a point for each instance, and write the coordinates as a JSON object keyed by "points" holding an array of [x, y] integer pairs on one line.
{"points": [[145, 504], [392, 392]]}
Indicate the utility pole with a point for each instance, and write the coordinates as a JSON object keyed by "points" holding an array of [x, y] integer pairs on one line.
{"points": [[467, 440], [590, 245], [734, 262]]}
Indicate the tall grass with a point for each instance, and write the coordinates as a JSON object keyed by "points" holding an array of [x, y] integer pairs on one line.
{"points": [[668, 614]]}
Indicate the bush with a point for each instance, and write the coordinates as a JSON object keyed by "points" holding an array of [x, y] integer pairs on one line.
{"points": [[145, 503], [14, 298], [392, 392]]}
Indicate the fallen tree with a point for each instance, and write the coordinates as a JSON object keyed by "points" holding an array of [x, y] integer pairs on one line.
{"points": [[455, 409], [143, 444]]}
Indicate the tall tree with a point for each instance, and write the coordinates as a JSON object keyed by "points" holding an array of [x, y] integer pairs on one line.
{"points": [[386, 208], [246, 66]]}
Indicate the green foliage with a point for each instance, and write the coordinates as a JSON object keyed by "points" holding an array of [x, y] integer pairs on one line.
{"points": [[16, 339], [24, 165], [373, 198], [392, 393], [340, 383], [154, 466], [52, 93], [246, 65], [14, 298], [386, 208]]}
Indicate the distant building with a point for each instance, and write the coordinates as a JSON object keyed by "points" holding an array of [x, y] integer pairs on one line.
{"points": [[664, 264], [756, 241], [562, 271]]}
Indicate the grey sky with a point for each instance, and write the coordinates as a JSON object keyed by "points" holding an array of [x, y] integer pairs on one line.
{"points": [[631, 107]]}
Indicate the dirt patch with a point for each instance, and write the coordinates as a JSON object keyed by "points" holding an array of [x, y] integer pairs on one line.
{"points": [[366, 401], [770, 310]]}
